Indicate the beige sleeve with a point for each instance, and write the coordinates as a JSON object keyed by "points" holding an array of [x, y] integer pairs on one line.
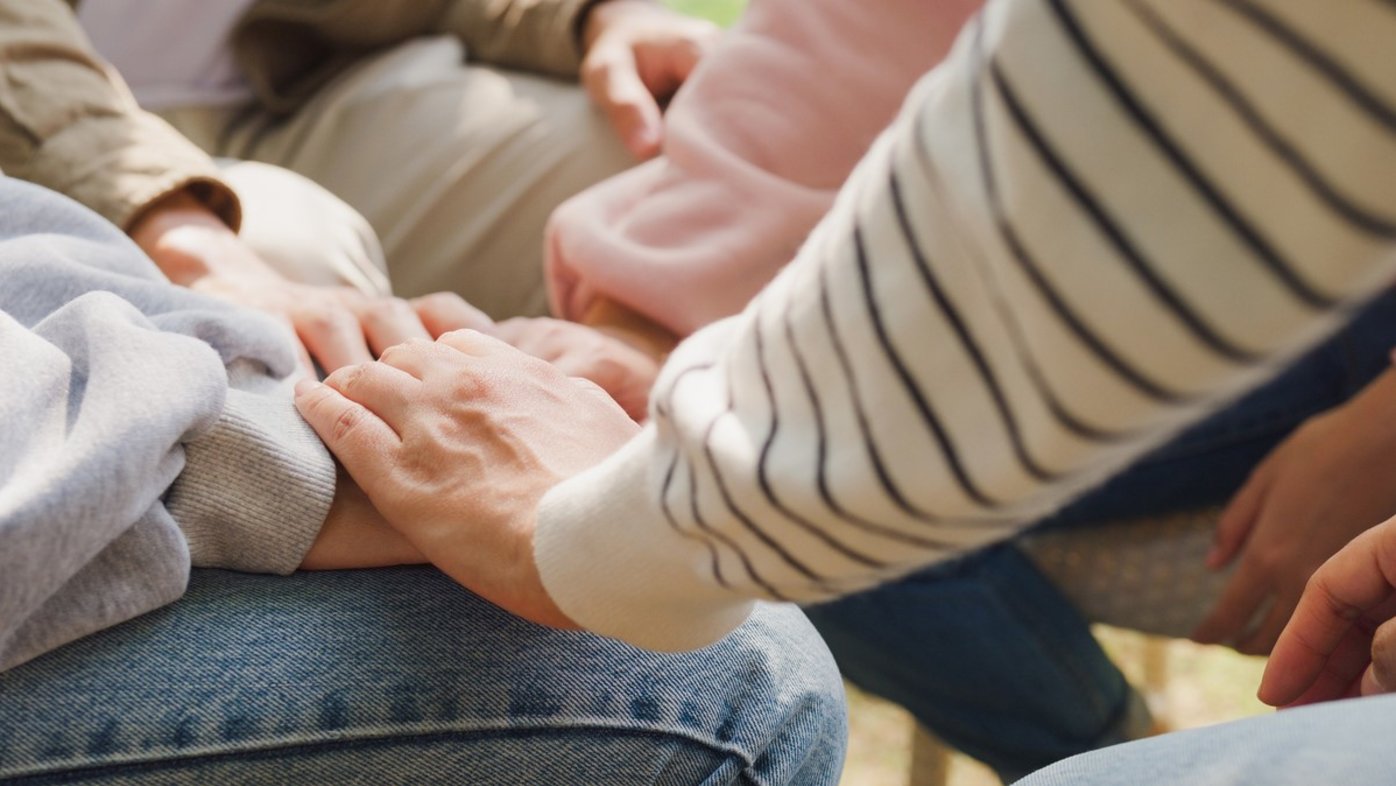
{"points": [[68, 123], [288, 49], [534, 35]]}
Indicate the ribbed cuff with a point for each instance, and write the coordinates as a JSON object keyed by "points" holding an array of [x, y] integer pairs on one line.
{"points": [[611, 561], [255, 489]]}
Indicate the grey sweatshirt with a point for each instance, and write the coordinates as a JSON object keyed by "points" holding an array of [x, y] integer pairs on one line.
{"points": [[143, 429]]}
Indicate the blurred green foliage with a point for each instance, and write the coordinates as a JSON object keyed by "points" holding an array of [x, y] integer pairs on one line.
{"points": [[724, 12]]}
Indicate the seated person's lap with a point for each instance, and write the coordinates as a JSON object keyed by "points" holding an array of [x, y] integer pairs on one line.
{"points": [[400, 676]]}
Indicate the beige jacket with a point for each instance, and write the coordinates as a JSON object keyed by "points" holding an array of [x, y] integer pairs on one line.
{"points": [[68, 122]]}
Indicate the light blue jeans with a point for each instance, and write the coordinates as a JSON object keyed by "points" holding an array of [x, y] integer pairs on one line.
{"points": [[401, 677], [1342, 742], [994, 659]]}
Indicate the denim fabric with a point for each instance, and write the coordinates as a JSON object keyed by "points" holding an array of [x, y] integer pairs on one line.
{"points": [[1341, 742], [990, 656], [400, 676]]}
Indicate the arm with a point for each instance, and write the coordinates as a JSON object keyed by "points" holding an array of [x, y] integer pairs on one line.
{"points": [[288, 48], [146, 429], [742, 180], [69, 124], [1064, 251]]}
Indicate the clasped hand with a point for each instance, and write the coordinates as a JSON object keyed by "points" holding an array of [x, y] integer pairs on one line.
{"points": [[456, 441]]}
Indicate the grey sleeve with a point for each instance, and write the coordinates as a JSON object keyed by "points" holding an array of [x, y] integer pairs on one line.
{"points": [[140, 425], [256, 487]]}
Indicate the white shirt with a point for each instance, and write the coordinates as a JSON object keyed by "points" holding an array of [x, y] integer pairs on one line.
{"points": [[171, 52]]}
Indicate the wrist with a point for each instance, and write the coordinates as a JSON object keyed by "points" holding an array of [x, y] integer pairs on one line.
{"points": [[167, 230]]}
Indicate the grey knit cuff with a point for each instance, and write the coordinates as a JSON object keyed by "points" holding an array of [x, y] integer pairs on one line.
{"points": [[256, 488]]}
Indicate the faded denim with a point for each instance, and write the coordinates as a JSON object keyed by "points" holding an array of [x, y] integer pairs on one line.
{"points": [[400, 676]]}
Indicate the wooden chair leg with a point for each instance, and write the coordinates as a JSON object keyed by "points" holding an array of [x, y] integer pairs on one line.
{"points": [[930, 759]]}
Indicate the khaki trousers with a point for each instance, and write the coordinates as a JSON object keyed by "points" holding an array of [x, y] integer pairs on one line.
{"points": [[455, 168]]}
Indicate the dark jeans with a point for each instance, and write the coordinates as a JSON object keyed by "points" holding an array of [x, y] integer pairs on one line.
{"points": [[990, 656]]}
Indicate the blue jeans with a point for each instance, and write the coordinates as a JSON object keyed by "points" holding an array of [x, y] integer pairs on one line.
{"points": [[990, 656], [400, 676], [1347, 742]]}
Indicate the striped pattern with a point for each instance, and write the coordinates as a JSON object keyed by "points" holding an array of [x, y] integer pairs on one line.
{"points": [[1093, 225]]}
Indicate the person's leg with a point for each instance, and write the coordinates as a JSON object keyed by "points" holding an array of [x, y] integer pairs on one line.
{"points": [[987, 654], [306, 233], [914, 642], [457, 167], [400, 676], [1342, 742]]}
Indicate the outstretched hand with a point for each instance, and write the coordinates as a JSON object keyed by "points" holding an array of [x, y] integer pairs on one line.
{"points": [[638, 54], [1323, 486], [456, 441], [336, 326]]}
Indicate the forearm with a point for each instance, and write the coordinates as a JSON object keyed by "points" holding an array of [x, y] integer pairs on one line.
{"points": [[1020, 290], [68, 123]]}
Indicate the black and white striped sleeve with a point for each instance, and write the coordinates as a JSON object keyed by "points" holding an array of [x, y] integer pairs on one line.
{"points": [[1097, 222]]}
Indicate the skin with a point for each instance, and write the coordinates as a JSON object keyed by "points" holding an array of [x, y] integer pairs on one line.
{"points": [[638, 53], [456, 441], [355, 535], [1341, 641], [336, 326], [1323, 486]]}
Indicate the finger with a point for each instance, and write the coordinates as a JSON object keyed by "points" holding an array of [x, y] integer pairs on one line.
{"points": [[512, 330], [528, 335], [302, 354], [1261, 639], [1240, 599], [473, 342], [356, 436], [1239, 519], [1380, 677], [1338, 677], [612, 79], [333, 336], [413, 357], [1356, 579], [386, 391], [443, 312], [389, 321]]}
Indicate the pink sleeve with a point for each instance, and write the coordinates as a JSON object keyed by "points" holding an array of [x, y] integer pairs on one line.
{"points": [[691, 236]]}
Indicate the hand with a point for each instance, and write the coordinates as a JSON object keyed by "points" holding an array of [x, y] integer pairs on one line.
{"points": [[355, 535], [1324, 485], [338, 326], [456, 441], [1341, 641], [638, 53], [626, 373]]}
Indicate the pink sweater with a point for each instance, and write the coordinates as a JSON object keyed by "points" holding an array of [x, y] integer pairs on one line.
{"points": [[742, 179]]}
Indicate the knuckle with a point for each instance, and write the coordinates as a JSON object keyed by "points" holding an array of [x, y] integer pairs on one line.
{"points": [[348, 422], [1384, 654], [345, 379]]}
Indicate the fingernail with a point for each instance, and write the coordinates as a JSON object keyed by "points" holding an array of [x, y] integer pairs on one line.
{"points": [[304, 386]]}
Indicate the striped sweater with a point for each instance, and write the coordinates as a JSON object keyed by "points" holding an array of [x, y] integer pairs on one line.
{"points": [[1093, 224]]}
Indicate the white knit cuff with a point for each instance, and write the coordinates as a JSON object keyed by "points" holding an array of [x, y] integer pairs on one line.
{"points": [[615, 565]]}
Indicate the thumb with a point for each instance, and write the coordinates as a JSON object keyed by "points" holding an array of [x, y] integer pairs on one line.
{"points": [[612, 79], [1380, 677]]}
